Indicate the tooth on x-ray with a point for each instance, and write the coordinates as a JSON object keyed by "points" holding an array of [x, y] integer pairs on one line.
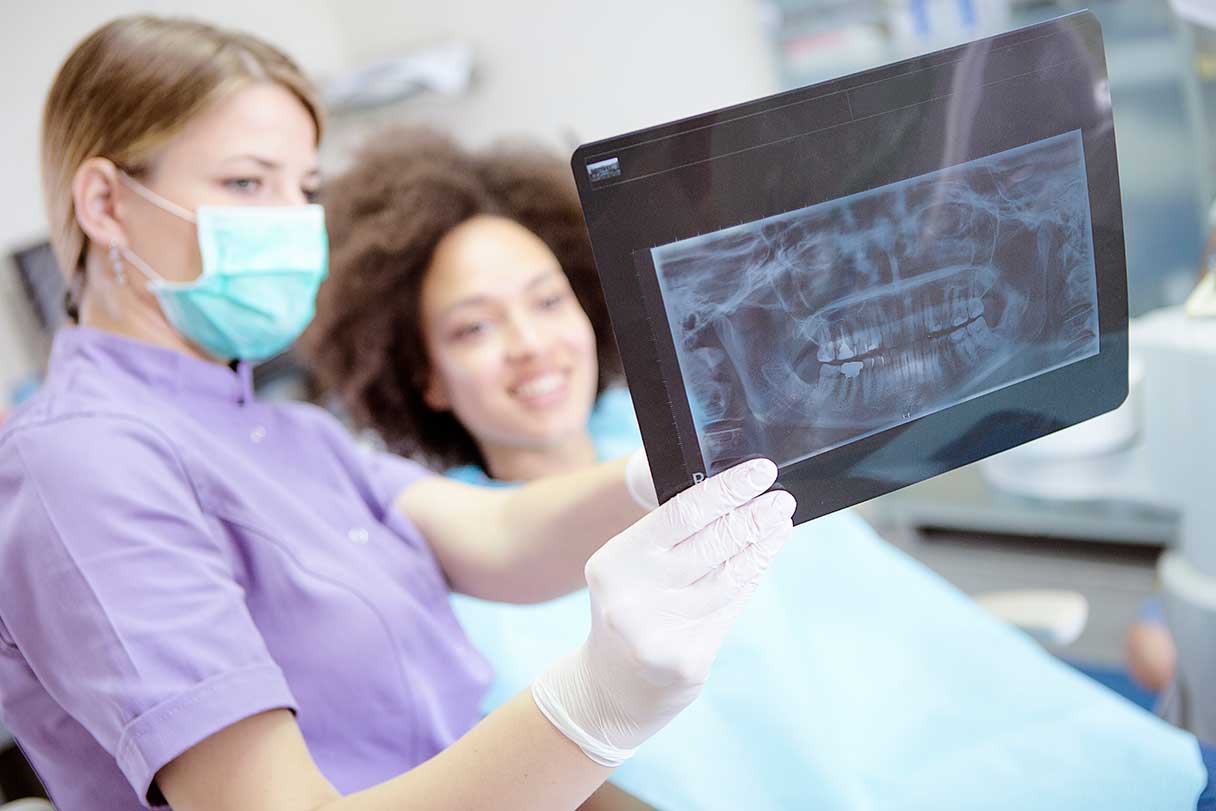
{"points": [[800, 332]]}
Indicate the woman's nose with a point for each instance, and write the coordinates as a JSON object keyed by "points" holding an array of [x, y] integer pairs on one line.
{"points": [[524, 339]]}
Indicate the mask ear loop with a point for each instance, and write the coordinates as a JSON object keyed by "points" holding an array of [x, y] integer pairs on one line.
{"points": [[116, 254], [155, 199], [120, 274]]}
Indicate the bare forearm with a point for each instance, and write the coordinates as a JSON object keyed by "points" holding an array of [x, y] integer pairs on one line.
{"points": [[553, 525], [513, 759], [525, 544], [612, 798]]}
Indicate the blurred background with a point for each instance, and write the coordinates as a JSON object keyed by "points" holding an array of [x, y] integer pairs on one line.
{"points": [[566, 72]]}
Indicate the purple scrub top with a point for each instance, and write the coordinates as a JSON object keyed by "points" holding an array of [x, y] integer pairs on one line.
{"points": [[176, 555]]}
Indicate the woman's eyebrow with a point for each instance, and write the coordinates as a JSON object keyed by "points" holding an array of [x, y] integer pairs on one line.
{"points": [[544, 276], [477, 299], [265, 163], [468, 301], [268, 164]]}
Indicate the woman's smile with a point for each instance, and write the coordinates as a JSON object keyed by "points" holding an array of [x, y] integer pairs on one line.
{"points": [[541, 390]]}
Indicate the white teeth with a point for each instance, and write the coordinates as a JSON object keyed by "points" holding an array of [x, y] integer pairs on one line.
{"points": [[871, 331], [546, 384], [844, 349], [873, 339], [839, 388], [959, 306], [933, 318], [982, 333], [848, 370], [821, 335], [891, 331], [971, 349]]}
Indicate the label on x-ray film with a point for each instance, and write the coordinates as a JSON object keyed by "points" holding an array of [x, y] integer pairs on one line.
{"points": [[604, 170]]}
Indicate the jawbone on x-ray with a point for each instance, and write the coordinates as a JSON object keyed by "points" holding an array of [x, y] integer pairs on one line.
{"points": [[801, 332]]}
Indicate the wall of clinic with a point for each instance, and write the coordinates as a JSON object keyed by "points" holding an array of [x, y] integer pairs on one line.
{"points": [[560, 71]]}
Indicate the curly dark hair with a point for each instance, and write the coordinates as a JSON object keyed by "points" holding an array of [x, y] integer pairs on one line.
{"points": [[406, 190]]}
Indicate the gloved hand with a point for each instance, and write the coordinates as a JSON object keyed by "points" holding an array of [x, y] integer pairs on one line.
{"points": [[638, 480], [663, 595]]}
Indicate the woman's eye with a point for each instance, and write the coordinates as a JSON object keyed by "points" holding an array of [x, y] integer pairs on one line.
{"points": [[553, 301], [473, 329], [244, 185]]}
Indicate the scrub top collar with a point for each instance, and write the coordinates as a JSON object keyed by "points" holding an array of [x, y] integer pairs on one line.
{"points": [[158, 367]]}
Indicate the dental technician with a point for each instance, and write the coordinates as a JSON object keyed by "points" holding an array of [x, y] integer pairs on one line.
{"points": [[211, 602]]}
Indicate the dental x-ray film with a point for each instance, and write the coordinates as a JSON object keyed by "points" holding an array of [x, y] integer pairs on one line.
{"points": [[873, 280]]}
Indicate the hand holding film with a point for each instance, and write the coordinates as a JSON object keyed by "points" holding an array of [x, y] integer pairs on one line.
{"points": [[664, 593]]}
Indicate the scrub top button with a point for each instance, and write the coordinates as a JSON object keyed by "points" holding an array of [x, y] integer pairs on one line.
{"points": [[358, 535], [258, 433]]}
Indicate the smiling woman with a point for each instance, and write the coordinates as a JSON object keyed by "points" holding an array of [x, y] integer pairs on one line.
{"points": [[512, 353], [412, 224]]}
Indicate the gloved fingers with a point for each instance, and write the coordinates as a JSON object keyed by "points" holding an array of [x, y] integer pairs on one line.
{"points": [[728, 535], [702, 504], [736, 578]]}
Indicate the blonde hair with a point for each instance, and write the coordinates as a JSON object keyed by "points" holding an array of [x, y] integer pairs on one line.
{"points": [[130, 87]]}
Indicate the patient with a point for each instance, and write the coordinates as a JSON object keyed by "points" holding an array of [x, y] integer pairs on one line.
{"points": [[464, 325]]}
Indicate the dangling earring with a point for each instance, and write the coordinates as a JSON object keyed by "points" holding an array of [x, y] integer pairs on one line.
{"points": [[120, 274]]}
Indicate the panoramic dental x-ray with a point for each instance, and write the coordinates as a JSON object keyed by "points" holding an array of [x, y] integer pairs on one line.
{"points": [[875, 279], [803, 331]]}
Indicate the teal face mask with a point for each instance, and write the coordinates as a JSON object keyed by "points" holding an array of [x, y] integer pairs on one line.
{"points": [[262, 266]]}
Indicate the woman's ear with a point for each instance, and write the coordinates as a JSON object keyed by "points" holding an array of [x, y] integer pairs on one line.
{"points": [[435, 395], [95, 200]]}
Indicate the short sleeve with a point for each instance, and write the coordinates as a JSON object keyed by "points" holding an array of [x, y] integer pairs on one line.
{"points": [[389, 475], [118, 593]]}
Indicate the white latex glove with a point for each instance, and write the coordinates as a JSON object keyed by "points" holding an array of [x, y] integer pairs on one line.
{"points": [[663, 595], [638, 480]]}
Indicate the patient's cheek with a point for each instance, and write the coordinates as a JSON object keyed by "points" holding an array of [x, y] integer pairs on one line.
{"points": [[470, 377], [580, 337]]}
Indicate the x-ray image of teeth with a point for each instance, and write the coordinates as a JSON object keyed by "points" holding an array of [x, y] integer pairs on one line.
{"points": [[801, 332]]}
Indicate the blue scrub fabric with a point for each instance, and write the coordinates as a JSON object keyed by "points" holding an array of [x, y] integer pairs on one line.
{"points": [[1207, 800], [859, 679]]}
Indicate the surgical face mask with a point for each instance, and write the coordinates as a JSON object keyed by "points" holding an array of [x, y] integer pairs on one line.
{"points": [[262, 266]]}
